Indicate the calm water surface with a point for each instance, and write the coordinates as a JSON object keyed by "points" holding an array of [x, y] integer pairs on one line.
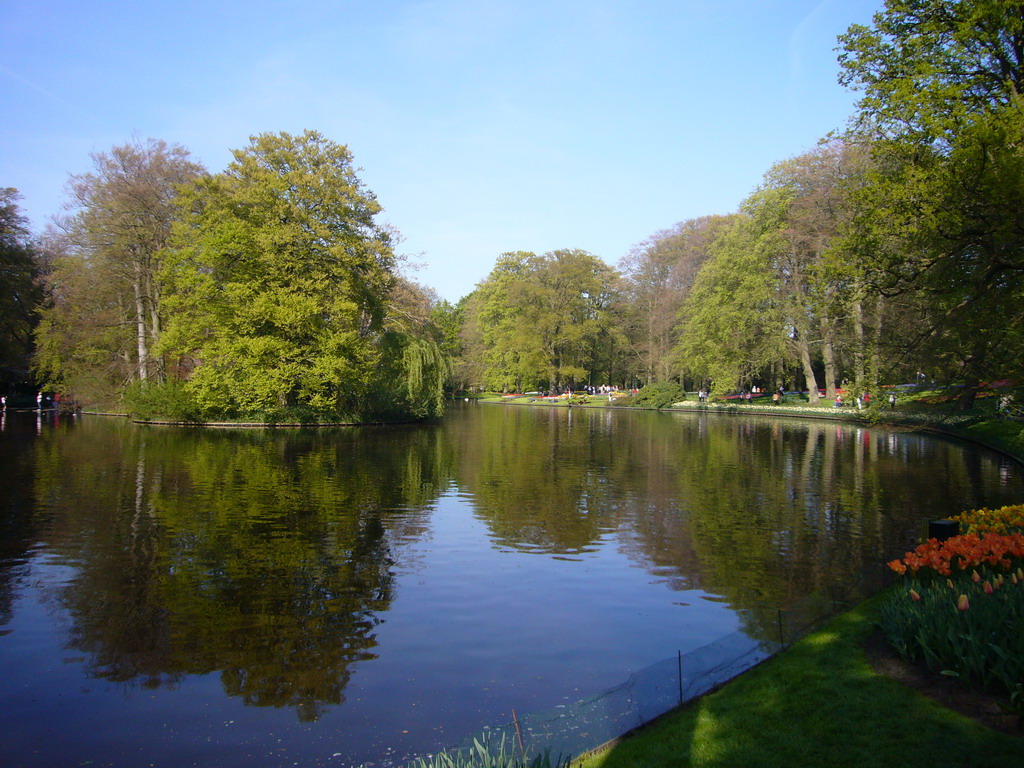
{"points": [[175, 597]]}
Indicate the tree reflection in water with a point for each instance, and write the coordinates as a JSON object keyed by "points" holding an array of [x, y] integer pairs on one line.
{"points": [[273, 559], [263, 556]]}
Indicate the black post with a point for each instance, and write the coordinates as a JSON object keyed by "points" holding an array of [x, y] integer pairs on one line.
{"points": [[680, 656], [943, 529]]}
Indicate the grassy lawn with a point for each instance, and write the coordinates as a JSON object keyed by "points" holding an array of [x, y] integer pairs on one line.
{"points": [[817, 704]]}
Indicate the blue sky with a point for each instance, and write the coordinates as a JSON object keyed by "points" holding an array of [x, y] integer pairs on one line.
{"points": [[482, 127]]}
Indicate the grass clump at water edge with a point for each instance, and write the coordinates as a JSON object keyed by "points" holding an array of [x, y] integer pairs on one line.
{"points": [[484, 753]]}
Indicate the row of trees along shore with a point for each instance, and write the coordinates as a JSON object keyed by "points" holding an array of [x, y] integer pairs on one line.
{"points": [[269, 290]]}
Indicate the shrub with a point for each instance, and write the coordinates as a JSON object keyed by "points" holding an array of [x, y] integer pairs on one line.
{"points": [[659, 395], [170, 401]]}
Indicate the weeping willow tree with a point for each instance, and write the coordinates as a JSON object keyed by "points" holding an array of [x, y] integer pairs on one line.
{"points": [[426, 369]]}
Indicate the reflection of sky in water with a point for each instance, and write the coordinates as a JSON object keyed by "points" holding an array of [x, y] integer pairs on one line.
{"points": [[534, 557]]}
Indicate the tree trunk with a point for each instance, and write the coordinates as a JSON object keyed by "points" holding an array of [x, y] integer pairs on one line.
{"points": [[858, 347], [966, 399], [140, 324], [876, 346], [828, 355], [805, 361], [154, 324]]}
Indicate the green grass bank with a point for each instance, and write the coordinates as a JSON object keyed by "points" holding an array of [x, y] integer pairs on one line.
{"points": [[819, 703]]}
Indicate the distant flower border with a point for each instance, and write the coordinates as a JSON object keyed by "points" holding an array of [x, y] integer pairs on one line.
{"points": [[780, 409], [851, 413]]}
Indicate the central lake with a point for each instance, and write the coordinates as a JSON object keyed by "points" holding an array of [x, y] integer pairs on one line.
{"points": [[173, 597]]}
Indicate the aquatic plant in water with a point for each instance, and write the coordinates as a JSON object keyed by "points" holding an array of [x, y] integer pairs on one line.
{"points": [[485, 754]]}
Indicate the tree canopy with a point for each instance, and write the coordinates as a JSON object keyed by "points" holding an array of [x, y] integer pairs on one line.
{"points": [[98, 334], [550, 321], [278, 286], [940, 219]]}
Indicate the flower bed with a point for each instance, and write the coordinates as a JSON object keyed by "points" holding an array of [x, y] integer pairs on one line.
{"points": [[960, 605], [821, 411], [1003, 520]]}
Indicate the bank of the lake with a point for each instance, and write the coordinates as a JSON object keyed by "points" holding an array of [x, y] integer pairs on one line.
{"points": [[928, 411], [818, 703]]}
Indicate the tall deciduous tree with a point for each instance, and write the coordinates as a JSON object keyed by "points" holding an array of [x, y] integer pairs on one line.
{"points": [[99, 331], [85, 341], [806, 201], [777, 290], [942, 219], [279, 287], [125, 208], [659, 273], [545, 321], [20, 290], [929, 67], [732, 325], [449, 319]]}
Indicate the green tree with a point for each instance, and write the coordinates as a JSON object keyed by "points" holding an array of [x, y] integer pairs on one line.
{"points": [[804, 206], [449, 320], [123, 211], [416, 355], [929, 67], [659, 273], [279, 287], [941, 220], [510, 353], [731, 326], [85, 341], [20, 291], [778, 291], [545, 321], [97, 331]]}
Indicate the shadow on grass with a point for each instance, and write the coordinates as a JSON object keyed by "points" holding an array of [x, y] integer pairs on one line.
{"points": [[817, 704]]}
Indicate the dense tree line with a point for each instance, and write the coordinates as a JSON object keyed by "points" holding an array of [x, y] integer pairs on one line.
{"points": [[887, 253], [883, 254]]}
